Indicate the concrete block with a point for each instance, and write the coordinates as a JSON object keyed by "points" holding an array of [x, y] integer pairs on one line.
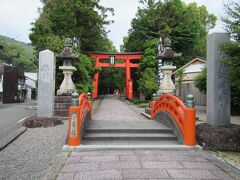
{"points": [[129, 157], [199, 165], [162, 165], [194, 174], [81, 167], [145, 173], [99, 175], [120, 165], [100, 158]]}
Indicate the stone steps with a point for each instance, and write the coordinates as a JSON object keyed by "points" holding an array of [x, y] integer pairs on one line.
{"points": [[99, 130], [105, 132], [145, 143], [129, 136]]}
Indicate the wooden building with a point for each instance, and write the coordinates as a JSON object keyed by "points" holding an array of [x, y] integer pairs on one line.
{"points": [[187, 86]]}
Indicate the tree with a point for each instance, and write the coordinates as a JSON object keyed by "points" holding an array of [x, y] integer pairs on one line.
{"points": [[15, 53], [82, 19], [201, 81], [186, 25], [232, 50]]}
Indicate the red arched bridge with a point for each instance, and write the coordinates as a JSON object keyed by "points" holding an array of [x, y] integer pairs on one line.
{"points": [[115, 121]]}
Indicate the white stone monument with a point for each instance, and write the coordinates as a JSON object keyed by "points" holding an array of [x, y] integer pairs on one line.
{"points": [[46, 84]]}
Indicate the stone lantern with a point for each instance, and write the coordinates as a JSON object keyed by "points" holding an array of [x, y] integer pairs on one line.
{"points": [[167, 56], [67, 56]]}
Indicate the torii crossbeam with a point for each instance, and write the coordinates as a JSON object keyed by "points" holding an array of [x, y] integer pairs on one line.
{"points": [[129, 61]]}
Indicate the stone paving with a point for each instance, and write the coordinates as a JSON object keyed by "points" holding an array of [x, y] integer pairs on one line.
{"points": [[115, 110], [140, 164], [135, 164]]}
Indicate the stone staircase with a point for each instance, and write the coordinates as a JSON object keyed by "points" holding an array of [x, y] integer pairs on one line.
{"points": [[61, 108], [101, 132]]}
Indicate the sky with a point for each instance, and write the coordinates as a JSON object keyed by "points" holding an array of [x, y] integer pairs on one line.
{"points": [[16, 17]]}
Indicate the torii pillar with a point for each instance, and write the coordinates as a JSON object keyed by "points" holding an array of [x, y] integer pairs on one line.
{"points": [[126, 57], [129, 94]]}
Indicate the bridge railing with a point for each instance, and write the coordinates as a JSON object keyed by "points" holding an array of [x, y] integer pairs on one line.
{"points": [[184, 117], [79, 112]]}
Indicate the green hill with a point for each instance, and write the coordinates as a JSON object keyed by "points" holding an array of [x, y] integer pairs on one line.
{"points": [[17, 53]]}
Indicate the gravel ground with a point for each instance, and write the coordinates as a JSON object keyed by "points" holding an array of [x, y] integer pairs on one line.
{"points": [[31, 155], [232, 158]]}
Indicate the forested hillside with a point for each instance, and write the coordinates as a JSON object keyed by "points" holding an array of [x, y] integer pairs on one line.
{"points": [[17, 53]]}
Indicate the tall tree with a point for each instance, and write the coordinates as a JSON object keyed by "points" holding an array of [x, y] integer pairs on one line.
{"points": [[232, 49], [82, 19], [186, 25]]}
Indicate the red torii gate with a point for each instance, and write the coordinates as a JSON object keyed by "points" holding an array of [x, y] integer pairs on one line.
{"points": [[127, 64]]}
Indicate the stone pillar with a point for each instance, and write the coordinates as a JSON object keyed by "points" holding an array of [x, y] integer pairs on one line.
{"points": [[46, 84], [218, 87]]}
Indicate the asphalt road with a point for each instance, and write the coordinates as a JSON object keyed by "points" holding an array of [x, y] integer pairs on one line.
{"points": [[12, 116]]}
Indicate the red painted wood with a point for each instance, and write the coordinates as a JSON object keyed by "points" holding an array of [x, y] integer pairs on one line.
{"points": [[127, 65]]}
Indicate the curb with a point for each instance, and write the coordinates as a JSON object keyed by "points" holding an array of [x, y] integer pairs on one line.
{"points": [[67, 148], [232, 170], [11, 137]]}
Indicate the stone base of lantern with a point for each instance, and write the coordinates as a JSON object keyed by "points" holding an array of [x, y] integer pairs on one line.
{"points": [[65, 92], [67, 87], [167, 85]]}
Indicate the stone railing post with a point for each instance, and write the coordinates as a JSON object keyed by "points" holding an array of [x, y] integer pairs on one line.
{"points": [[75, 99], [89, 95], [190, 101], [155, 96]]}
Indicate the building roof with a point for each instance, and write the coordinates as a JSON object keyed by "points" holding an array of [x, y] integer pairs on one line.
{"points": [[192, 68]]}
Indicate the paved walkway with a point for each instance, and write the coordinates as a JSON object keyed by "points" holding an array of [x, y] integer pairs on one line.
{"points": [[111, 108], [135, 164], [140, 164], [113, 113]]}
